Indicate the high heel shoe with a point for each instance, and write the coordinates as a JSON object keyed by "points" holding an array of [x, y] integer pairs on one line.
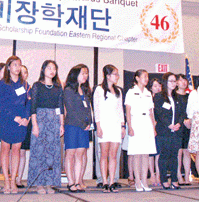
{"points": [[105, 188], [113, 188], [79, 188], [138, 189], [71, 190], [166, 188], [174, 186], [146, 188]]}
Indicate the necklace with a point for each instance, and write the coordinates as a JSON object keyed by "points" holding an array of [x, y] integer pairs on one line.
{"points": [[49, 87]]}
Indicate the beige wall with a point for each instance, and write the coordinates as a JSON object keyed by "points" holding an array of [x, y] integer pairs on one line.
{"points": [[34, 54], [134, 60], [114, 57], [191, 41], [69, 56], [5, 49]]}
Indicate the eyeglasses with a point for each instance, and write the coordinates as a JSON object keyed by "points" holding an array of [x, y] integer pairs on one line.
{"points": [[172, 81]]}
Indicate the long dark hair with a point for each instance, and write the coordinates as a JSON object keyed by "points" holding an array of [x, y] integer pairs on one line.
{"points": [[72, 80], [2, 65], [7, 69], [165, 87], [107, 70], [138, 73], [55, 79], [25, 67]]}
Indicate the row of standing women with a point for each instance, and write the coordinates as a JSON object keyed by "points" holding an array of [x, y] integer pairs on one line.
{"points": [[47, 113], [49, 105], [170, 108]]}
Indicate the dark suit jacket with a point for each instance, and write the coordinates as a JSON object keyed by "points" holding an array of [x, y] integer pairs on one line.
{"points": [[163, 116]]}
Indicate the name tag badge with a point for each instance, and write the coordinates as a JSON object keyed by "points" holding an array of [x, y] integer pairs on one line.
{"points": [[166, 105], [85, 104], [20, 91], [57, 110]]}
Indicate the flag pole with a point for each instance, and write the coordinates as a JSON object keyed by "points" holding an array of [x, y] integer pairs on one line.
{"points": [[188, 72]]}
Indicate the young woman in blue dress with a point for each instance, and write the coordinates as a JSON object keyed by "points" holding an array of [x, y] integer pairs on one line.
{"points": [[2, 66], [14, 113]]}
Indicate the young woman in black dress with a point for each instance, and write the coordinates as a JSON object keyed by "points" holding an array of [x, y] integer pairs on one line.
{"points": [[155, 86], [182, 85]]}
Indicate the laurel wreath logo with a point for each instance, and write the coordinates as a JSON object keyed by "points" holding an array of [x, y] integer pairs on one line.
{"points": [[172, 36]]}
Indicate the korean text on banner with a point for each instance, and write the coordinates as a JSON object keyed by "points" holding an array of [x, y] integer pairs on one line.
{"points": [[149, 25]]}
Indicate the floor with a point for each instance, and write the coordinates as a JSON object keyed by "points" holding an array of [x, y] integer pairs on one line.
{"points": [[93, 194]]}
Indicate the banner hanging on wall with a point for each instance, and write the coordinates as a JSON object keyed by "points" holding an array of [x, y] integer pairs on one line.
{"points": [[148, 25]]}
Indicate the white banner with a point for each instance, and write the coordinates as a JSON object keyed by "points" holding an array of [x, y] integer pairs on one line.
{"points": [[148, 25]]}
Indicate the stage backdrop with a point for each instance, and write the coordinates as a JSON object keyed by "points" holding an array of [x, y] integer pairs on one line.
{"points": [[149, 25]]}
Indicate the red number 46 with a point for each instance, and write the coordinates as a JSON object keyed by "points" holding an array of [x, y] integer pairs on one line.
{"points": [[163, 23]]}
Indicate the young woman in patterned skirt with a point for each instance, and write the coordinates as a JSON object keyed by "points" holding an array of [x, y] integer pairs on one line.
{"points": [[47, 126]]}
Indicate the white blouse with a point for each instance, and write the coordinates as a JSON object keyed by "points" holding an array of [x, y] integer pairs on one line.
{"points": [[111, 104], [193, 103], [140, 102]]}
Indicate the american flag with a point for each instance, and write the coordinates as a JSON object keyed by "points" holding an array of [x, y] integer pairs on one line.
{"points": [[188, 74]]}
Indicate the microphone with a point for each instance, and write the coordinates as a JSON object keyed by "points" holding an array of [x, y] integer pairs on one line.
{"points": [[49, 168]]}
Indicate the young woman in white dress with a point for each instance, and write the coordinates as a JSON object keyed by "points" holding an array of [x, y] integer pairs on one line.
{"points": [[109, 118], [141, 128]]}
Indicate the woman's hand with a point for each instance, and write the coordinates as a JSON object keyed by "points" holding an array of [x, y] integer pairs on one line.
{"points": [[61, 130], [87, 127], [99, 132], [24, 122], [18, 119], [35, 130], [130, 131], [176, 127], [123, 132], [187, 123], [171, 127]]}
